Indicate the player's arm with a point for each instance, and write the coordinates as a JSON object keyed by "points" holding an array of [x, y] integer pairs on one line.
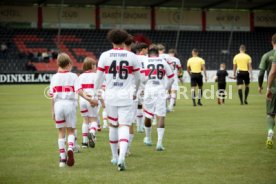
{"points": [[137, 76], [234, 68], [250, 69], [87, 97], [204, 71], [216, 77], [189, 68], [180, 74], [260, 80], [271, 77], [180, 71], [262, 68], [51, 94], [52, 107], [170, 76], [100, 76], [83, 94]]}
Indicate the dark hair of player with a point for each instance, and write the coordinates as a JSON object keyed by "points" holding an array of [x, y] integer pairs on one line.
{"points": [[161, 47], [141, 46], [88, 64], [153, 52], [274, 39], [173, 51], [129, 40], [134, 48], [195, 51], [117, 36], [242, 47], [63, 60], [153, 45]]}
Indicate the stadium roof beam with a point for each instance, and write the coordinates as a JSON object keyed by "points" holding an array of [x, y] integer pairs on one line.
{"points": [[101, 2], [40, 2], [214, 4], [273, 2], [159, 3]]}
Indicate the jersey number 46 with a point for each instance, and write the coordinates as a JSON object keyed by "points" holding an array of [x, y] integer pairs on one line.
{"points": [[121, 69]]}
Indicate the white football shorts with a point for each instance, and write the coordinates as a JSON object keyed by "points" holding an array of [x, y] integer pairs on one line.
{"points": [[87, 110], [134, 109], [119, 115], [65, 113], [155, 103], [175, 85]]}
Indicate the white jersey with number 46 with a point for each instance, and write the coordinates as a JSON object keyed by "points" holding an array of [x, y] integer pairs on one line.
{"points": [[120, 68]]}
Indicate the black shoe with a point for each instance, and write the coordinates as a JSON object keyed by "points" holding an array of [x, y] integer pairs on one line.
{"points": [[241, 103], [199, 103], [245, 102], [91, 140], [194, 104], [70, 159], [84, 145]]}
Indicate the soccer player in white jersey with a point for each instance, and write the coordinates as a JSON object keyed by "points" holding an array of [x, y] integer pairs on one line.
{"points": [[155, 71], [119, 67], [63, 90], [161, 50], [177, 69], [142, 51], [89, 113], [128, 46]]}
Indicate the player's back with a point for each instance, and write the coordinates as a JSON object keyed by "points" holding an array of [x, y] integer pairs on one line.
{"points": [[267, 60], [176, 64], [222, 74], [155, 71], [142, 59], [168, 59], [63, 86], [164, 56], [87, 81], [242, 60], [119, 66], [195, 63], [266, 63]]}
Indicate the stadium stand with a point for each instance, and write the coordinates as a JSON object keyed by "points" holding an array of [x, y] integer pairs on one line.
{"points": [[30, 44]]}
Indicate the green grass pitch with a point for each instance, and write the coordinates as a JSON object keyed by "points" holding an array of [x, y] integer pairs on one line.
{"points": [[204, 145]]}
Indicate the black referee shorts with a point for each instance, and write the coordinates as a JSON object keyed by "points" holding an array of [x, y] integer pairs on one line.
{"points": [[243, 78], [196, 79]]}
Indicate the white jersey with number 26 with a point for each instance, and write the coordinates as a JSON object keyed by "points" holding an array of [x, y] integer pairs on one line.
{"points": [[155, 69]]}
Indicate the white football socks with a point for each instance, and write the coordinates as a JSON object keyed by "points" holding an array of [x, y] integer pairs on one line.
{"points": [[71, 140], [93, 128], [131, 136], [123, 133], [113, 141], [84, 132], [270, 134], [148, 132], [62, 147], [104, 115], [172, 101], [160, 133], [139, 118]]}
